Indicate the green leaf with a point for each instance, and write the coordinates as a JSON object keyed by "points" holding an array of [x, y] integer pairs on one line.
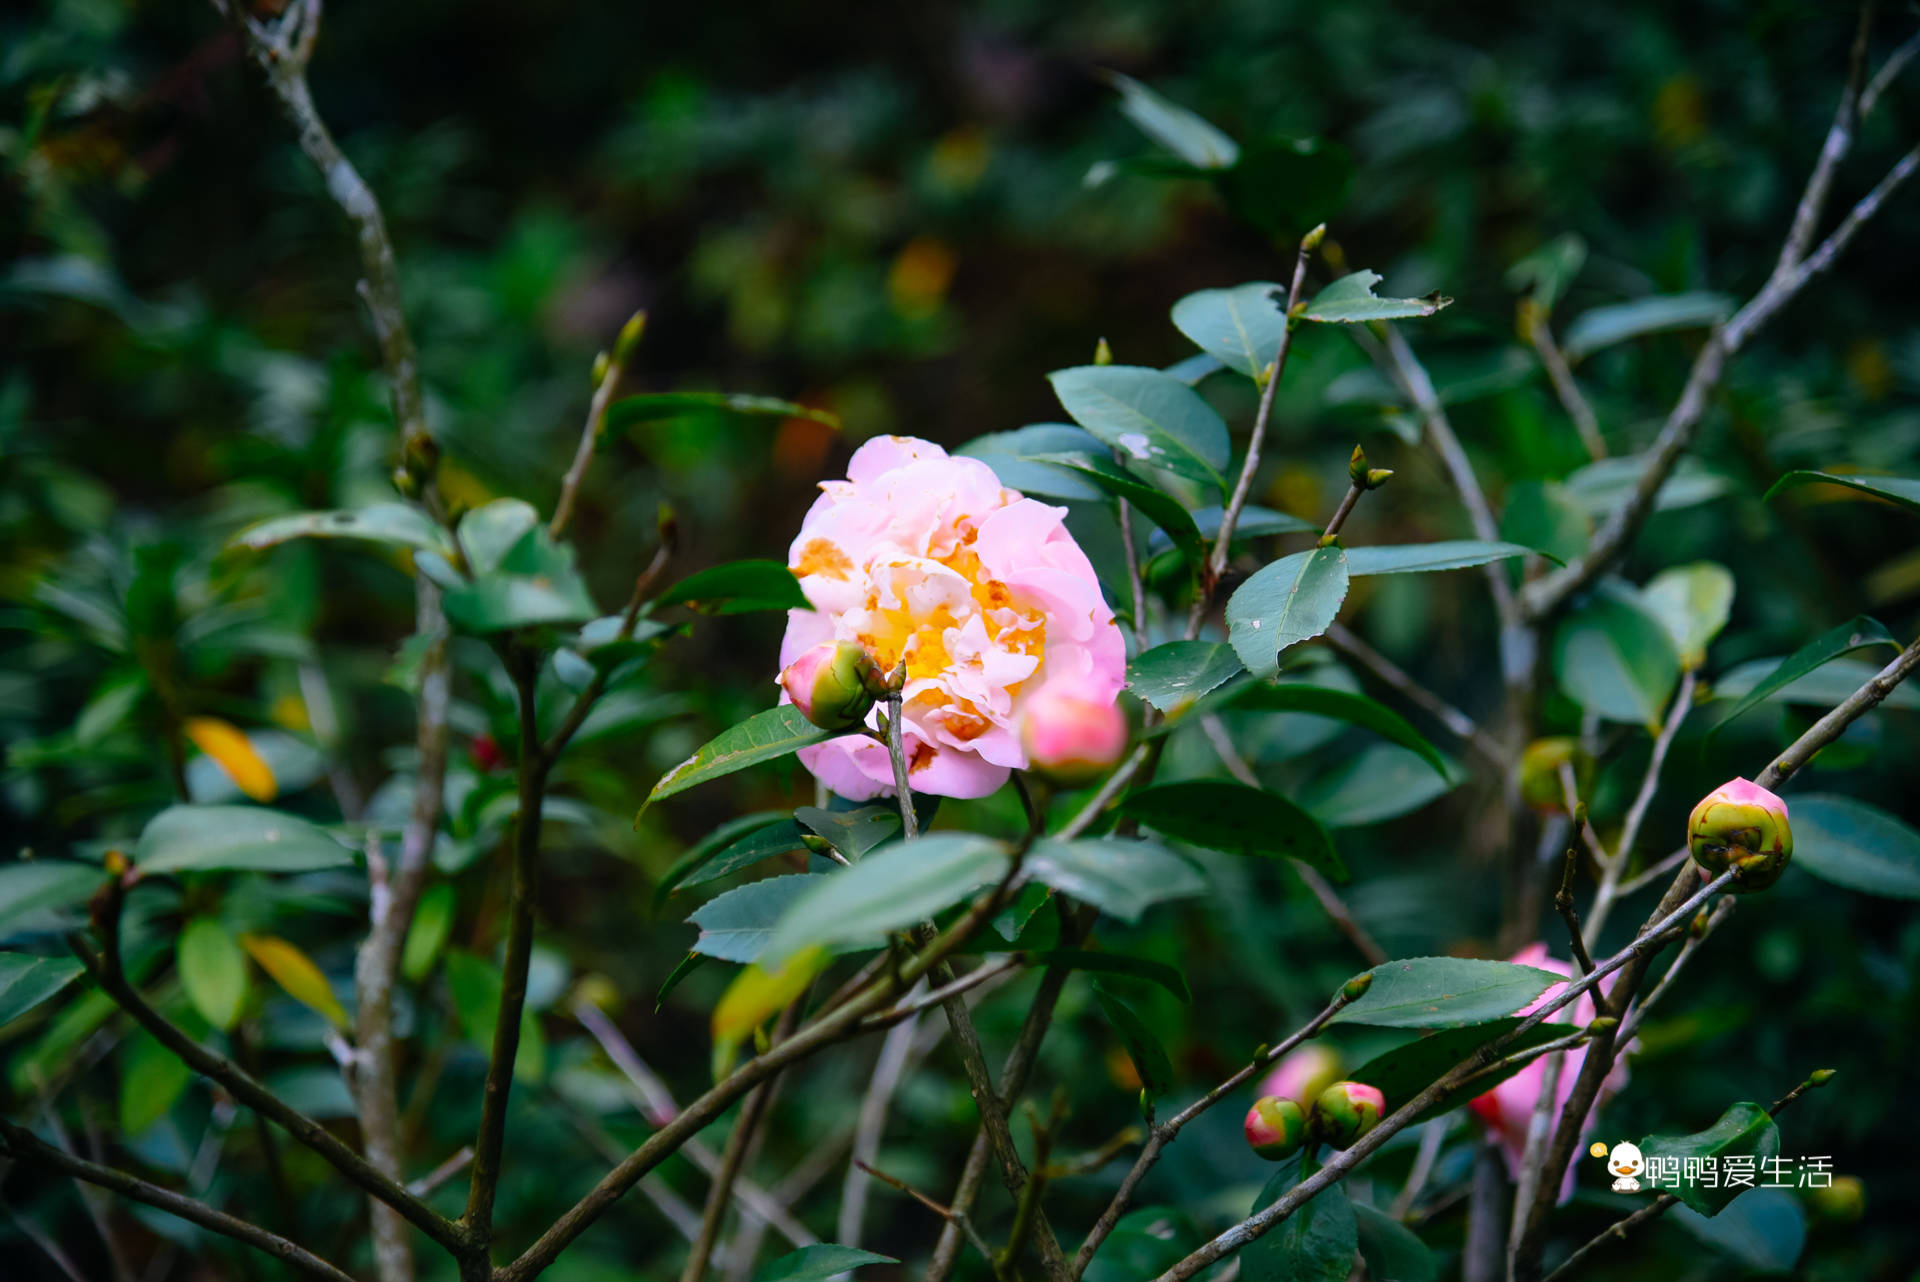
{"points": [[1616, 659], [474, 984], [1855, 845], [1223, 815], [533, 582], [761, 737], [226, 838], [736, 925], [1824, 686], [1857, 633], [1143, 1046], [1693, 603], [1119, 876], [1165, 511], [1744, 1130], [1405, 1071], [1380, 782], [768, 842], [1351, 301], [1143, 1244], [1763, 1229], [112, 703], [213, 970], [851, 832], [32, 886], [490, 531], [1180, 131], [1420, 558], [1179, 672], [1446, 992], [1340, 705], [1292, 600], [1314, 1244], [1538, 514], [1545, 273], [736, 588], [390, 523], [26, 981], [1600, 487], [1392, 1251], [1149, 417], [152, 1079], [1239, 327], [1901, 490], [817, 1263], [719, 842], [648, 407], [1604, 326], [1014, 456], [429, 931], [891, 889], [1106, 963], [688, 964]]}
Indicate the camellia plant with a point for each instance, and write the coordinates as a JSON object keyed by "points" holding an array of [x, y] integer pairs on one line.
{"points": [[1013, 758]]}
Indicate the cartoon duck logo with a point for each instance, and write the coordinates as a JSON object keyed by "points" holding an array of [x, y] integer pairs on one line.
{"points": [[1624, 1163]]}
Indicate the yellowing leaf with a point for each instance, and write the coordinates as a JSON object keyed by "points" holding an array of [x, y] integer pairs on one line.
{"points": [[294, 971], [234, 753], [757, 995]]}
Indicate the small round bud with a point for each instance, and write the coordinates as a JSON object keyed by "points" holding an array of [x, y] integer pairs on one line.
{"points": [[1071, 733], [1311, 241], [1357, 467], [629, 337], [1602, 1026], [1742, 826], [816, 843], [116, 863], [1356, 988], [1821, 1076], [1377, 477], [1540, 784], [1344, 1112], [1842, 1202], [833, 684], [1276, 1127], [1102, 354]]}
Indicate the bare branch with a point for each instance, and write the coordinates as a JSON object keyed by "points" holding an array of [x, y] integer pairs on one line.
{"points": [[1567, 388], [1463, 727]]}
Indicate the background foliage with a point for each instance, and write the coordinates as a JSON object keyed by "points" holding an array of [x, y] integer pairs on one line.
{"points": [[885, 214]]}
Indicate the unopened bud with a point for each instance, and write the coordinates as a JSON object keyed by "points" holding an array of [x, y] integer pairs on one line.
{"points": [[116, 863], [816, 843], [629, 337], [1357, 467], [1377, 477], [1344, 1112], [1602, 1026], [1102, 354], [1276, 1127], [1540, 783], [1356, 988], [833, 684], [1698, 926], [602, 364], [1821, 1076], [1072, 732], [1311, 241], [667, 522], [1303, 1072], [1842, 1202], [405, 484], [1742, 826]]}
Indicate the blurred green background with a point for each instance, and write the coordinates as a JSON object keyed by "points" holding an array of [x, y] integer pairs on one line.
{"points": [[885, 211]]}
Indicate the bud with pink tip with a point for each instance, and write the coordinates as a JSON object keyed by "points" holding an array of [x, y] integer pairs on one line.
{"points": [[834, 684], [1741, 825], [1344, 1112], [1276, 1127], [1071, 733]]}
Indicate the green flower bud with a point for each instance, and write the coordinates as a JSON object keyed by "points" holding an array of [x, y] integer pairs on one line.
{"points": [[1742, 826], [833, 684], [1356, 988], [1842, 1202], [629, 337], [1102, 354], [1276, 1127], [1357, 467], [1540, 783], [1344, 1112]]}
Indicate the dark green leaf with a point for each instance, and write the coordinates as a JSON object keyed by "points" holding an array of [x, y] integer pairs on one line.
{"points": [[710, 863], [1901, 490], [1181, 671], [1829, 684], [1420, 558], [390, 523], [1240, 327], [1545, 273], [1600, 487], [1119, 876], [891, 889], [1855, 845], [1446, 992], [851, 832], [1764, 1229], [688, 964], [213, 970], [1405, 1071], [1351, 301], [651, 406], [1615, 659], [1314, 1244], [152, 1079], [761, 737], [1855, 634], [1538, 514], [225, 838], [33, 886], [1105, 963], [1223, 815], [534, 582], [1744, 1130], [818, 1262], [737, 588], [1149, 417], [492, 530], [1340, 705], [1392, 1251], [1380, 782], [1165, 511], [1180, 131], [1605, 326], [1292, 600], [1143, 1046], [1143, 1244], [736, 925], [26, 981]]}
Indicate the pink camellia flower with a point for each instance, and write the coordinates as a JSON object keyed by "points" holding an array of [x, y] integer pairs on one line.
{"points": [[1071, 730], [1741, 825], [1507, 1109], [926, 559], [1303, 1073]]}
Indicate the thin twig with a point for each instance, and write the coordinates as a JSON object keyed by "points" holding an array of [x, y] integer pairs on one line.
{"points": [[888, 1068], [439, 1175], [957, 1219], [732, 1160], [1637, 1016], [596, 417], [1889, 72], [1567, 388], [1388, 673], [1564, 902]]}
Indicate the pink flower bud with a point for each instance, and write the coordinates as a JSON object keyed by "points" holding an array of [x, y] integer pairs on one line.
{"points": [[1275, 1127], [1741, 825], [1303, 1073], [1344, 1112], [1070, 733], [833, 684]]}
